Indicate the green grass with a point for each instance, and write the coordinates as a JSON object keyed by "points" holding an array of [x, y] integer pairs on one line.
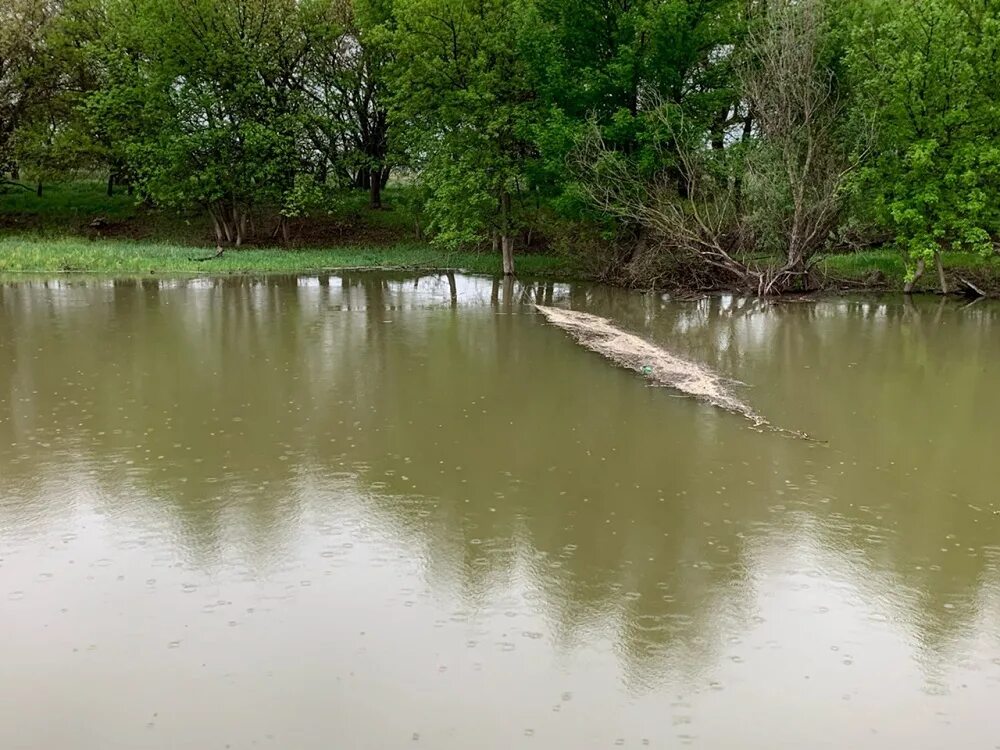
{"points": [[43, 255], [68, 209], [68, 202], [53, 234], [884, 268]]}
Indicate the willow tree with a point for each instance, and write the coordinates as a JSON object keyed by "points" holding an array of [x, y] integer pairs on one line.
{"points": [[464, 108]]}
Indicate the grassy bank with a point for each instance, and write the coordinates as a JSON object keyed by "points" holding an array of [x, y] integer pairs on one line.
{"points": [[41, 255], [83, 209], [883, 269], [76, 227], [32, 253]]}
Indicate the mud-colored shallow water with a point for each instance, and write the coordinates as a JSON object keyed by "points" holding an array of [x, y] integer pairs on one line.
{"points": [[380, 512]]}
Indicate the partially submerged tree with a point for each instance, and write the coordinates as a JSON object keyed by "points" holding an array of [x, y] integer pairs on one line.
{"points": [[758, 210], [797, 166]]}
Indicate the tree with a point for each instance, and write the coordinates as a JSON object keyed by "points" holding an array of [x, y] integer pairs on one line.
{"points": [[464, 109], [23, 26], [613, 63], [797, 167], [53, 138], [344, 82], [203, 97], [758, 209], [930, 71]]}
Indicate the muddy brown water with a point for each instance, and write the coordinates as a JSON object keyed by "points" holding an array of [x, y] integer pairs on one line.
{"points": [[375, 511]]}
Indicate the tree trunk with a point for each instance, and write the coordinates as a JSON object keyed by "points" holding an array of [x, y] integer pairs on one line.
{"points": [[908, 288], [940, 269], [507, 247], [507, 295], [638, 246], [38, 190], [217, 227], [747, 125], [111, 184], [240, 220], [375, 189], [719, 129], [506, 240]]}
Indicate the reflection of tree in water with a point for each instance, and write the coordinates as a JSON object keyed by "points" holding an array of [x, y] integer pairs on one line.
{"points": [[493, 448], [914, 495]]}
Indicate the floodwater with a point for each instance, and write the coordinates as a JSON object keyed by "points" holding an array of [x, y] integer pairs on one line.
{"points": [[373, 511]]}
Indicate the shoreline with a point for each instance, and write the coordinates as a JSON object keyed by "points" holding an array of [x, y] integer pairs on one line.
{"points": [[39, 255], [76, 228]]}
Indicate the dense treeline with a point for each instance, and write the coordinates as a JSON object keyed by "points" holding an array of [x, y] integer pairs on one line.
{"points": [[714, 142]]}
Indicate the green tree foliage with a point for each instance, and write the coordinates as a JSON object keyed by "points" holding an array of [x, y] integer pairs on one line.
{"points": [[615, 62], [54, 138], [711, 136], [24, 26], [200, 93], [465, 107], [344, 84], [929, 71]]}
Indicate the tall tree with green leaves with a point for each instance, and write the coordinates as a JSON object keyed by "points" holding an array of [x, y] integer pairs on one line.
{"points": [[53, 138], [464, 108], [612, 62], [204, 97], [24, 26], [929, 70], [344, 83]]}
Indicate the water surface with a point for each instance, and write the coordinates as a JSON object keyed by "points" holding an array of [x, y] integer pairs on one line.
{"points": [[377, 511]]}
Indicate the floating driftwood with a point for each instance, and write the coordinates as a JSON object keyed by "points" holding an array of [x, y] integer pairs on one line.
{"points": [[655, 363]]}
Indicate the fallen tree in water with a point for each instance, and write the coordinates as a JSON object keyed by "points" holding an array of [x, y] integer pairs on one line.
{"points": [[655, 363]]}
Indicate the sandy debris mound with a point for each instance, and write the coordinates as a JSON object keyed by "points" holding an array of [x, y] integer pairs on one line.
{"points": [[657, 365]]}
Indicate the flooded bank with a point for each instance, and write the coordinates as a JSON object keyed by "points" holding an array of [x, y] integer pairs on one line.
{"points": [[381, 511]]}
